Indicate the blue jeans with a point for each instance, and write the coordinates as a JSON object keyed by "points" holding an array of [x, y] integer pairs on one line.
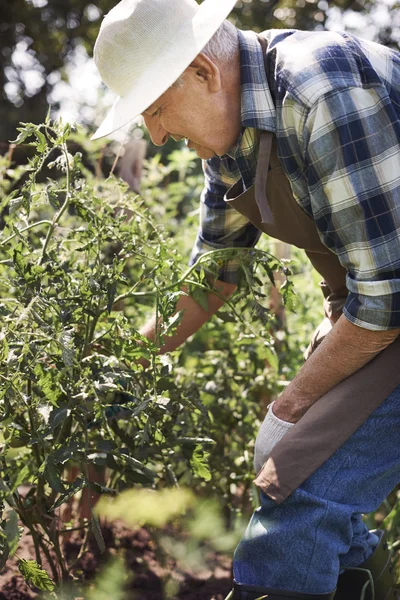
{"points": [[303, 544]]}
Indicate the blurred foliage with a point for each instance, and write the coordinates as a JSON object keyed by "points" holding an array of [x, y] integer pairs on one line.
{"points": [[47, 33]]}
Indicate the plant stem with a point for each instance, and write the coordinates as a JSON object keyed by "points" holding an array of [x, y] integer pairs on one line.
{"points": [[183, 279], [64, 207], [81, 551], [90, 334], [50, 560], [23, 230]]}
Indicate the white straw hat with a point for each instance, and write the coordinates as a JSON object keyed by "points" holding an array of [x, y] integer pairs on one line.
{"points": [[144, 46]]}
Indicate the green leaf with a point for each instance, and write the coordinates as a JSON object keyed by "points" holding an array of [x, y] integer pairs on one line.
{"points": [[35, 576], [58, 415], [19, 261], [5, 493], [22, 476], [47, 119], [135, 465], [199, 296], [52, 475], [199, 463], [42, 143], [79, 484], [95, 527], [4, 549], [25, 133], [173, 323], [67, 346], [12, 531], [111, 293], [6, 408], [195, 440], [288, 294]]}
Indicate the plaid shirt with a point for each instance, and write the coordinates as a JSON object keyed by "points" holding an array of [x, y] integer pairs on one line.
{"points": [[333, 102]]}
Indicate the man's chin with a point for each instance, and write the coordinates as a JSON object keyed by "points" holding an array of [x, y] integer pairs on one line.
{"points": [[205, 153]]}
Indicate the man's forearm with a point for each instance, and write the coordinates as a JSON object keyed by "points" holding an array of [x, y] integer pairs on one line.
{"points": [[344, 351], [194, 316]]}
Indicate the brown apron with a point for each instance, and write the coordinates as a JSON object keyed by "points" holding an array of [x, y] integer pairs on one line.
{"points": [[271, 207]]}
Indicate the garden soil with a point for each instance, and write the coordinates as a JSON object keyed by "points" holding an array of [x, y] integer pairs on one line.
{"points": [[148, 569]]}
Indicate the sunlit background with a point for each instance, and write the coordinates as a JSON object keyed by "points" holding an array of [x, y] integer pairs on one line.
{"points": [[46, 49]]}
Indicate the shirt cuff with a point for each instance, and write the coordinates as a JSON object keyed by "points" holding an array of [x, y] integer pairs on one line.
{"points": [[377, 313]]}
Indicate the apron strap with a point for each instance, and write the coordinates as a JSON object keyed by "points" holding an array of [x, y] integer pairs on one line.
{"points": [[264, 155]]}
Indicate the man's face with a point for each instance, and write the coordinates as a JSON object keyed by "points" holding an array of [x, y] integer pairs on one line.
{"points": [[205, 110]]}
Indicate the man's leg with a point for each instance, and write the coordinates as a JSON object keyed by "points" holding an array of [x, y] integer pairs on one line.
{"points": [[302, 544]]}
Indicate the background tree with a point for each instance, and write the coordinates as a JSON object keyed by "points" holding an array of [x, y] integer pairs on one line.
{"points": [[38, 39]]}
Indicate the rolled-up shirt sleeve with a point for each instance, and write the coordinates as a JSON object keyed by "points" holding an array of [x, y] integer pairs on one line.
{"points": [[351, 150], [221, 226]]}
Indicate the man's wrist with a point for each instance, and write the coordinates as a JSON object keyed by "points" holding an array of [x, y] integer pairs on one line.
{"points": [[288, 411]]}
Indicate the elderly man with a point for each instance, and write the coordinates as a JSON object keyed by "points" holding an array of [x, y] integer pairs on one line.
{"points": [[300, 138]]}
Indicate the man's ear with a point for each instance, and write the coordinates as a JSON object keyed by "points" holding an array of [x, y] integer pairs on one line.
{"points": [[205, 70]]}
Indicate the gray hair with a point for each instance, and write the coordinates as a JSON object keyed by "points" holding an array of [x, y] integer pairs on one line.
{"points": [[222, 46]]}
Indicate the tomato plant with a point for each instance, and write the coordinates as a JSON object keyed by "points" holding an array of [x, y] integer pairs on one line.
{"points": [[84, 262]]}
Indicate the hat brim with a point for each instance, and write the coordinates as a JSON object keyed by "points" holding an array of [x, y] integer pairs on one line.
{"points": [[187, 43]]}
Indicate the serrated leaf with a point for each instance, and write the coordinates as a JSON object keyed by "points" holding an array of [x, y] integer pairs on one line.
{"points": [[46, 384], [42, 143], [262, 313], [101, 489], [199, 463], [35, 576], [288, 295]]}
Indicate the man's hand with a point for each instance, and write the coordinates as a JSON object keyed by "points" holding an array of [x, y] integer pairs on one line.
{"points": [[271, 431]]}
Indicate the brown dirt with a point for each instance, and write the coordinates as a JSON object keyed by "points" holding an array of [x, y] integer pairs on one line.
{"points": [[149, 569]]}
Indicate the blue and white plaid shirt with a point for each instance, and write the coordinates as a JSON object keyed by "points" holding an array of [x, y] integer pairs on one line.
{"points": [[333, 102]]}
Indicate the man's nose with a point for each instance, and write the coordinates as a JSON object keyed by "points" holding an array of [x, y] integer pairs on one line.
{"points": [[158, 135]]}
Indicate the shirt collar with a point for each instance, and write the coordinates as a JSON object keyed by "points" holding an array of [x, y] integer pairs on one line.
{"points": [[257, 106]]}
